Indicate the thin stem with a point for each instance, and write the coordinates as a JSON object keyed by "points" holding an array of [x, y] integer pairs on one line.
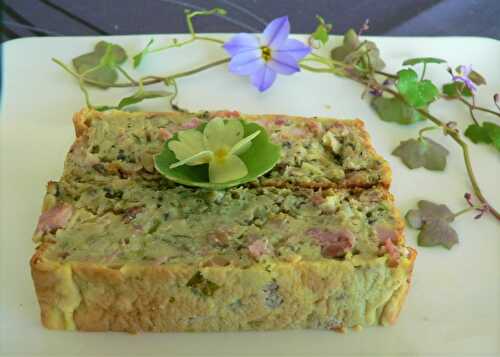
{"points": [[475, 107], [148, 80], [316, 69], [175, 43], [429, 128], [122, 71], [174, 106], [196, 70], [465, 210], [388, 75], [423, 72], [314, 57], [209, 39], [85, 93], [194, 36]]}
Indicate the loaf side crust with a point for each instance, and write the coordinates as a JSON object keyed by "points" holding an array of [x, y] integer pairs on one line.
{"points": [[328, 294]]}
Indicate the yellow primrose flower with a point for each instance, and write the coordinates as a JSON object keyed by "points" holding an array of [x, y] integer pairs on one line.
{"points": [[219, 146]]}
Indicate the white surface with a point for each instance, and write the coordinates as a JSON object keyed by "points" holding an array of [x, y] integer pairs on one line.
{"points": [[453, 306]]}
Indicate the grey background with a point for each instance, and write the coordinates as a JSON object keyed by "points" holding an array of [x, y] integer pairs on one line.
{"points": [[388, 17]]}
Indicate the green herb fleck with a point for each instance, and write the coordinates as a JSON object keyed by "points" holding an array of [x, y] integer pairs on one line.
{"points": [[201, 285]]}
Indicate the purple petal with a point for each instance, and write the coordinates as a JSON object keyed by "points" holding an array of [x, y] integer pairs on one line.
{"points": [[283, 63], [263, 78], [466, 80], [465, 70], [295, 48], [247, 62], [470, 84], [276, 32], [241, 43]]}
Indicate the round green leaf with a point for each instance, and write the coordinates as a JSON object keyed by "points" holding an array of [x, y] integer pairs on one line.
{"points": [[259, 159], [425, 60], [395, 110]]}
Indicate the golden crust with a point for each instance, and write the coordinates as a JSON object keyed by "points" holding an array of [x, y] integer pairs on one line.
{"points": [[393, 308]]}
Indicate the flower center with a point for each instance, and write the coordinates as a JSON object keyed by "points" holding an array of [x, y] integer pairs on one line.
{"points": [[221, 154], [266, 53]]}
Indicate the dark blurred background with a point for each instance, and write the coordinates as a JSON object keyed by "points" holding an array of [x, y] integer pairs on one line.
{"points": [[117, 17]]}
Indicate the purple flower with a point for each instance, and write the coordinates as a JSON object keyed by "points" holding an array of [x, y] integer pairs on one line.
{"points": [[463, 76], [262, 59]]}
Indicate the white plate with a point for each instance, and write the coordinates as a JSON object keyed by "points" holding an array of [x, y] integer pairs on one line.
{"points": [[453, 306]]}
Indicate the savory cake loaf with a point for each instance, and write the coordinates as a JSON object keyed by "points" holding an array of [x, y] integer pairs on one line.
{"points": [[121, 248], [315, 152]]}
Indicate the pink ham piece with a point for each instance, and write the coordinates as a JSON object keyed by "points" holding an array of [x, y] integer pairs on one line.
{"points": [[333, 244], [259, 248], [393, 253], [314, 127], [387, 238], [165, 134], [54, 218], [193, 123], [297, 132], [384, 233], [317, 199], [130, 214], [226, 114], [280, 121]]}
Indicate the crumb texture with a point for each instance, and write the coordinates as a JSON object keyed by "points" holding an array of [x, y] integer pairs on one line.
{"points": [[315, 243]]}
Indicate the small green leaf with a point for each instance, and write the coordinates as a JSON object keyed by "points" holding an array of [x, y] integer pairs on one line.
{"points": [[141, 95], [494, 133], [353, 51], [477, 78], [489, 133], [99, 65], [425, 60], [477, 134], [138, 57], [259, 159], [395, 110], [322, 30], [417, 93], [455, 89], [422, 152], [433, 220]]}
